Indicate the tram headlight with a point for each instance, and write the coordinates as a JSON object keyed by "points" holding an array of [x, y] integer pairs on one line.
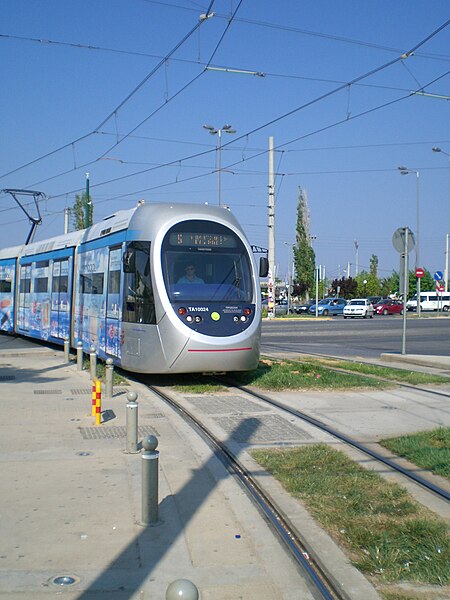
{"points": [[247, 311], [189, 318], [243, 318]]}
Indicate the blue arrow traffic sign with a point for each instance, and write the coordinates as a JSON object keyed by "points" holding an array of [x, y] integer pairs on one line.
{"points": [[438, 276]]}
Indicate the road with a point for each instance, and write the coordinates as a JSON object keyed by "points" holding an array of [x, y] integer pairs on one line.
{"points": [[367, 338]]}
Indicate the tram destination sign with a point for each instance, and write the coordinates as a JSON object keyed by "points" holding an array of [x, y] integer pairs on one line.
{"points": [[208, 240]]}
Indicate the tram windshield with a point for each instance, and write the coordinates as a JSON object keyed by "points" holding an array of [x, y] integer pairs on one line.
{"points": [[205, 262]]}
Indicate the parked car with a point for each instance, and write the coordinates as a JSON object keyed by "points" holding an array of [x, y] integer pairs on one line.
{"points": [[430, 301], [358, 307], [386, 306], [302, 309], [281, 307], [328, 306]]}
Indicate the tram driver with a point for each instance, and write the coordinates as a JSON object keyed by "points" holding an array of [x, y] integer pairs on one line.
{"points": [[190, 276]]}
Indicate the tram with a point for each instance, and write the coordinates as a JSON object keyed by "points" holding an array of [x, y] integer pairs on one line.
{"points": [[160, 288]]}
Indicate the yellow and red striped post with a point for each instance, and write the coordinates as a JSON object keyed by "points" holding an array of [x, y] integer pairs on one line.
{"points": [[98, 402], [94, 399]]}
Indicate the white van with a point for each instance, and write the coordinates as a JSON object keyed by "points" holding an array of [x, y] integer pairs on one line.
{"points": [[430, 301]]}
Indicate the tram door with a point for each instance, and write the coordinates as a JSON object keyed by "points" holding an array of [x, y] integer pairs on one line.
{"points": [[60, 304], [113, 304]]}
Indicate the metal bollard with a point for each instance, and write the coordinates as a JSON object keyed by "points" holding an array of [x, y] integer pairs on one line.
{"points": [[150, 469], [79, 356], [66, 351], [132, 423], [182, 588], [109, 378], [93, 359]]}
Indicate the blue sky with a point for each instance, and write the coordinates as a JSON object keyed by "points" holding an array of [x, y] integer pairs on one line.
{"points": [[82, 76]]}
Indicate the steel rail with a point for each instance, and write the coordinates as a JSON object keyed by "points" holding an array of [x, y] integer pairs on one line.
{"points": [[287, 533], [428, 485]]}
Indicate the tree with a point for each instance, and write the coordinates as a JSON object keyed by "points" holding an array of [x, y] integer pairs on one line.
{"points": [[79, 211], [344, 288], [374, 266], [304, 257], [372, 287]]}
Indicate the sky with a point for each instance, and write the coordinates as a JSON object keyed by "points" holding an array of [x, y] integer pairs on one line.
{"points": [[121, 89]]}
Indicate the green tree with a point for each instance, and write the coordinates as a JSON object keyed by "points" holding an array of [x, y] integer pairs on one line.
{"points": [[304, 256], [390, 285], [344, 288], [372, 287], [374, 266], [79, 211]]}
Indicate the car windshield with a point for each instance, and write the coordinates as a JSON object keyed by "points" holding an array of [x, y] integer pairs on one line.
{"points": [[358, 302], [322, 302]]}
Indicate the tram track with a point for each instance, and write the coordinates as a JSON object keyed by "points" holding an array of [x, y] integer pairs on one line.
{"points": [[409, 474], [324, 585], [422, 481], [300, 549]]}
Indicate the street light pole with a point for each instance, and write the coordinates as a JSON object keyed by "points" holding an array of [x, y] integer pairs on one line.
{"points": [[436, 149], [406, 171], [213, 131], [356, 257]]}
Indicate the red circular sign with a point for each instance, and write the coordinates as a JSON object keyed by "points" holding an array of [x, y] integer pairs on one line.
{"points": [[420, 272], [439, 287]]}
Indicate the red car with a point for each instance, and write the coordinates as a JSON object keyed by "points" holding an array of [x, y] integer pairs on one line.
{"points": [[386, 306]]}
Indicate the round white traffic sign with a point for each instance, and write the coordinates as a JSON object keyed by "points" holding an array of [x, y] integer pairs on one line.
{"points": [[399, 239]]}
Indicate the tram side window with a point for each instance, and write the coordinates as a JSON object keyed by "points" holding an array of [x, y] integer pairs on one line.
{"points": [[92, 283], [139, 302], [5, 286], [25, 285], [41, 285]]}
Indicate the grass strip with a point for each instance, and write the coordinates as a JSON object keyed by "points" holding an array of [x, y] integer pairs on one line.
{"points": [[304, 374], [386, 533], [401, 375], [427, 449]]}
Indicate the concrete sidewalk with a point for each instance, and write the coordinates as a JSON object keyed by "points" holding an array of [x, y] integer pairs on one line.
{"points": [[71, 499], [71, 496]]}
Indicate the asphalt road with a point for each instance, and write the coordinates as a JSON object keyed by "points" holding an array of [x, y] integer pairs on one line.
{"points": [[367, 338]]}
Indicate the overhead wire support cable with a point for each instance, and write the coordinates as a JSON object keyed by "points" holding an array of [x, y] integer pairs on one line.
{"points": [[181, 90], [122, 103], [297, 109], [260, 153]]}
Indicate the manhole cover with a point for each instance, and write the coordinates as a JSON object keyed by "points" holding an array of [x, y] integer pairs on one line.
{"points": [[262, 429], [110, 433], [88, 391]]}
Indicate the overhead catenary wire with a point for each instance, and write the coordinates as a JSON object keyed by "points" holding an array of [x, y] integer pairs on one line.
{"points": [[124, 101], [179, 161], [198, 154]]}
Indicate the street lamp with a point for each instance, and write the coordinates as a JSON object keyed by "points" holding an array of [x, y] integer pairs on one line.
{"points": [[213, 131], [436, 149], [406, 171]]}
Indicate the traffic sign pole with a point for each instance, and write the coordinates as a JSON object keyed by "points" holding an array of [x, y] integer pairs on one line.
{"points": [[405, 287]]}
